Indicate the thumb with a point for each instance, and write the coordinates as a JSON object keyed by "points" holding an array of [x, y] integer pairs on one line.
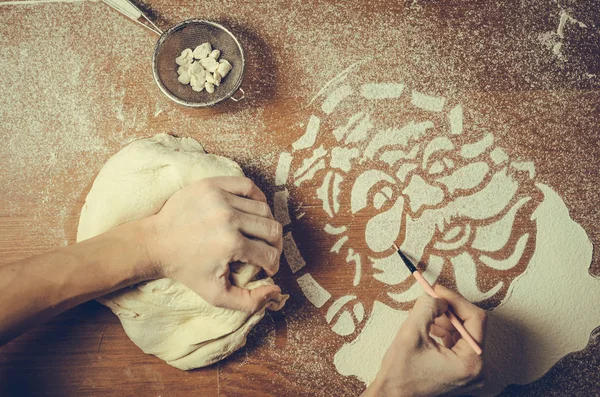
{"points": [[424, 313], [250, 301]]}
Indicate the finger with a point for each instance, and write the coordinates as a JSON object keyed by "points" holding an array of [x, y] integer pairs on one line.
{"points": [[239, 186], [424, 313], [265, 229], [448, 341], [249, 301], [250, 206], [258, 253], [445, 323], [437, 331], [444, 335], [474, 319]]}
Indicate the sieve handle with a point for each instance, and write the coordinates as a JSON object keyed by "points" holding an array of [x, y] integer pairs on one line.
{"points": [[132, 12], [233, 98]]}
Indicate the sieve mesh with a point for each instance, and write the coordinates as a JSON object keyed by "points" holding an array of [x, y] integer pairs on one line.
{"points": [[189, 34]]}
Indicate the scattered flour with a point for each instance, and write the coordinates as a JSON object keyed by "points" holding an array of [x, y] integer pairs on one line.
{"points": [[555, 40], [335, 98], [61, 132], [381, 90]]}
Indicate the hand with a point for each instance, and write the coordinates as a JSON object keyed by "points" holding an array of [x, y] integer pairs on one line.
{"points": [[206, 226], [416, 365]]}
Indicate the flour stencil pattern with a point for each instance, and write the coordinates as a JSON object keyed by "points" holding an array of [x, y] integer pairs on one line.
{"points": [[386, 163]]}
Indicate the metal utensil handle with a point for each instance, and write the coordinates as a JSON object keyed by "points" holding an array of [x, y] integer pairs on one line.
{"points": [[132, 12], [240, 98]]}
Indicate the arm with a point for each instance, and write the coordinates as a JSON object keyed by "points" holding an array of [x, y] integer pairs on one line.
{"points": [[193, 239], [34, 289], [416, 365]]}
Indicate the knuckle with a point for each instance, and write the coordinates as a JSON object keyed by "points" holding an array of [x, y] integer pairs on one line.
{"points": [[238, 242], [211, 194], [262, 195], [426, 304], [247, 185], [276, 264], [228, 215], [264, 209], [234, 242], [273, 257], [275, 230]]}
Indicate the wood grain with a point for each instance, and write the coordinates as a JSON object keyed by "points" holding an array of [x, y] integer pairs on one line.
{"points": [[484, 54]]}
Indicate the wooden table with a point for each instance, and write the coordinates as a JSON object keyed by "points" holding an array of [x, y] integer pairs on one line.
{"points": [[77, 86]]}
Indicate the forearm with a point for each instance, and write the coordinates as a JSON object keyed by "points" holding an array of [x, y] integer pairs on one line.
{"points": [[36, 288]]}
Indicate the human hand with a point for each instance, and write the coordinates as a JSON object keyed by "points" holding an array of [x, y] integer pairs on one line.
{"points": [[206, 226], [416, 365]]}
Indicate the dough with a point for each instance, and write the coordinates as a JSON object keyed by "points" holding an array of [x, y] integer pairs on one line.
{"points": [[163, 317]]}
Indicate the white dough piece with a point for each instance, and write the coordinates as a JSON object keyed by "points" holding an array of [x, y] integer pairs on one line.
{"points": [[201, 68], [202, 51], [163, 317], [224, 67], [183, 69], [210, 87], [185, 58], [195, 81], [210, 64], [198, 87], [184, 78], [217, 79], [197, 69]]}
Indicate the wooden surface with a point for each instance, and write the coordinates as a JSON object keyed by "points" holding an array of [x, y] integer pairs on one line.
{"points": [[94, 93]]}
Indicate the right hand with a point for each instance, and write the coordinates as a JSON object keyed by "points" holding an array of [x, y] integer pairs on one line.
{"points": [[416, 365], [206, 226]]}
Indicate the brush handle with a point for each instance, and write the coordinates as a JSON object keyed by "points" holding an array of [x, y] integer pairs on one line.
{"points": [[453, 319]]}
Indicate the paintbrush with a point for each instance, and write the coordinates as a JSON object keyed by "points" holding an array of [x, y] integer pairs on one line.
{"points": [[427, 287]]}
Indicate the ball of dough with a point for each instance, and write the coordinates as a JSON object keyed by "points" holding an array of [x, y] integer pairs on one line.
{"points": [[163, 317]]}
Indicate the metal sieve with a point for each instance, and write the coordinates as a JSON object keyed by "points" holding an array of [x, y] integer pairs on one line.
{"points": [[189, 34]]}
